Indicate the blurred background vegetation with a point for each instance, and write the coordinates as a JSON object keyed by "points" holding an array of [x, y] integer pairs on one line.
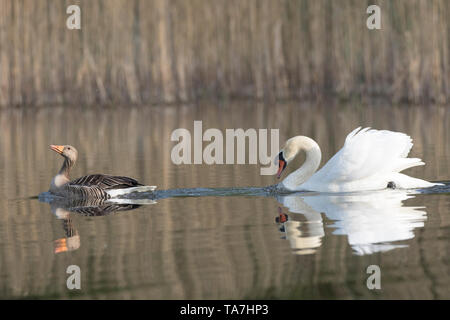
{"points": [[168, 51]]}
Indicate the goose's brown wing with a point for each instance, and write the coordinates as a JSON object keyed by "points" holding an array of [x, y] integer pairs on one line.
{"points": [[89, 206], [105, 182]]}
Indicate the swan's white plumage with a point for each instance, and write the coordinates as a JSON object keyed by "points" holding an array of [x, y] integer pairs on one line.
{"points": [[369, 160]]}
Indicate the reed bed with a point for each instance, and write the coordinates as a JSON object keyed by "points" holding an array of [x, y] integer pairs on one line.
{"points": [[166, 51]]}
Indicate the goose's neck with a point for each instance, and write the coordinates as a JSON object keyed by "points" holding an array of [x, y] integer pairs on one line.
{"points": [[308, 168], [67, 165], [63, 175]]}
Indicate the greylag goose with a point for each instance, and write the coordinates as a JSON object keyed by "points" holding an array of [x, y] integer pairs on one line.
{"points": [[95, 186], [62, 209], [91, 207]]}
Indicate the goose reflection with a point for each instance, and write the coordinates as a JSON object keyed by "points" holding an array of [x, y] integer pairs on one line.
{"points": [[71, 241], [63, 209], [373, 222]]}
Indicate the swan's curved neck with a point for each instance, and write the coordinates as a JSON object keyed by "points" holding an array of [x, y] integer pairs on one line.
{"points": [[311, 164]]}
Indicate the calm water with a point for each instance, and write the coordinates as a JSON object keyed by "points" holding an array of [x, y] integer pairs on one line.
{"points": [[231, 244]]}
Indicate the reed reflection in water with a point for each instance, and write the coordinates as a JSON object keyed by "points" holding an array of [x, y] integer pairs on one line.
{"points": [[215, 247]]}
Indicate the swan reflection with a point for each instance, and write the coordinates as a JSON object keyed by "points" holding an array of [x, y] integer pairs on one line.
{"points": [[373, 222]]}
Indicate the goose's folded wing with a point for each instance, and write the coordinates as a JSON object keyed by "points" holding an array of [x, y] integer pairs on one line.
{"points": [[366, 153], [105, 182], [88, 206], [103, 210]]}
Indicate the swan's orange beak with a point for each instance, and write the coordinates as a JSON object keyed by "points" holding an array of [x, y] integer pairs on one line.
{"points": [[281, 167], [57, 149]]}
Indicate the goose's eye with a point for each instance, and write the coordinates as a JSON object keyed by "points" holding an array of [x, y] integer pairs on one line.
{"points": [[68, 148]]}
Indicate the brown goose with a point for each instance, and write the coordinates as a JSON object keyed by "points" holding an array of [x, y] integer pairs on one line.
{"points": [[95, 186]]}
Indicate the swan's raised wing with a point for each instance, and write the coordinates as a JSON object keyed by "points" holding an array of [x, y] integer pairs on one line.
{"points": [[368, 156]]}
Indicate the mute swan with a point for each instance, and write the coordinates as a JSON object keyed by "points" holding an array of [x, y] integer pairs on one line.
{"points": [[369, 160], [96, 186]]}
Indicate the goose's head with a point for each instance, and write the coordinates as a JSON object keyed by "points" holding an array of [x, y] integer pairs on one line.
{"points": [[66, 151]]}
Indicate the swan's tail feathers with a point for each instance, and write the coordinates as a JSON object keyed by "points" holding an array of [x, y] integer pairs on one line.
{"points": [[119, 192], [403, 181], [406, 163]]}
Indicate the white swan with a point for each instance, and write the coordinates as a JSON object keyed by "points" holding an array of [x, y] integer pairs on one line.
{"points": [[369, 160]]}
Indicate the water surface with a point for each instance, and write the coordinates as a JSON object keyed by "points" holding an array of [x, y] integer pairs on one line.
{"points": [[241, 244]]}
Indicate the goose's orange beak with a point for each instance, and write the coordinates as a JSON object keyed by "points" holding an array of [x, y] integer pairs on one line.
{"points": [[57, 149], [61, 245]]}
